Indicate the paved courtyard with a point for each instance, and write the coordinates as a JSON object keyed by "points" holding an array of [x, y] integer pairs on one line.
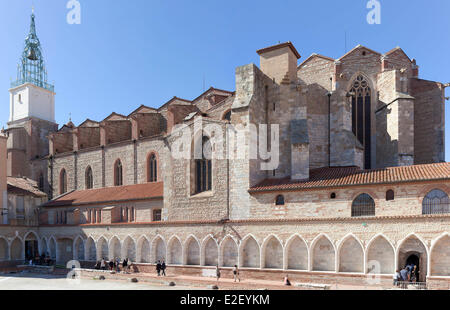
{"points": [[50, 282]]}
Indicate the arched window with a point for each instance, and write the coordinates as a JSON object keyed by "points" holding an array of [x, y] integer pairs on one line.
{"points": [[227, 116], [436, 202], [203, 175], [363, 205], [62, 182], [279, 201], [152, 167], [41, 182], [361, 116], [118, 177], [89, 178], [390, 195]]}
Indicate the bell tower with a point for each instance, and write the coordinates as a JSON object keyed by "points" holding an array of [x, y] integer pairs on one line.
{"points": [[32, 114], [30, 94]]}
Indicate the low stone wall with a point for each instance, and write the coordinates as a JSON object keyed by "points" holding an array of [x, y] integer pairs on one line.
{"points": [[273, 275], [438, 283]]}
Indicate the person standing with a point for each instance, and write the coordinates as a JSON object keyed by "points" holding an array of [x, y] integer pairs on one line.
{"points": [[117, 265], [397, 278], [158, 268], [163, 268], [236, 273], [217, 273], [111, 265], [125, 265]]}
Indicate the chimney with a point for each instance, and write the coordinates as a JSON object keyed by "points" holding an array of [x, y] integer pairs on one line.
{"points": [[279, 62]]}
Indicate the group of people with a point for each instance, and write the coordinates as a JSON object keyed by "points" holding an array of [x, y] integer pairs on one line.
{"points": [[114, 265], [161, 268], [408, 274], [42, 260], [235, 273]]}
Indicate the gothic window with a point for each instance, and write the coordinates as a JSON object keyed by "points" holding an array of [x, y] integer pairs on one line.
{"points": [[62, 182], [41, 182], [279, 201], [363, 205], [118, 177], [436, 202], [89, 178], [390, 195], [152, 168], [203, 175], [227, 116], [361, 116]]}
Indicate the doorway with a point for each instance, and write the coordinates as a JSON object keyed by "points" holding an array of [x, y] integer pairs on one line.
{"points": [[31, 249], [414, 259]]}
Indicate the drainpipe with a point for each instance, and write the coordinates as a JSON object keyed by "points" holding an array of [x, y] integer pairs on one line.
{"points": [[329, 129]]}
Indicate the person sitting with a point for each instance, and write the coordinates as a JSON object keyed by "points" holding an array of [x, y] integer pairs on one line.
{"points": [[286, 281]]}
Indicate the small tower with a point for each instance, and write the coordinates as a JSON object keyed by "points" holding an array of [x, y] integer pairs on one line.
{"points": [[32, 114], [30, 94]]}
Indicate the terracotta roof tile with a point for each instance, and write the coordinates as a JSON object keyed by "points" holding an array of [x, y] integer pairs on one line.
{"points": [[349, 176], [109, 194], [24, 186]]}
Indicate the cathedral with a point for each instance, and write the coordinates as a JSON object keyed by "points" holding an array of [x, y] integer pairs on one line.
{"points": [[329, 169]]}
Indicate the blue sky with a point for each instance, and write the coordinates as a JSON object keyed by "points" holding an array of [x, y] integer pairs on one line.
{"points": [[128, 53]]}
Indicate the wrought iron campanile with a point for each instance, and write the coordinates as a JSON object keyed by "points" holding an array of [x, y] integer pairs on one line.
{"points": [[31, 67]]}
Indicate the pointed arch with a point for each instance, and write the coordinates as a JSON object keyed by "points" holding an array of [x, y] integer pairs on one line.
{"points": [[272, 250], [413, 245], [351, 255], [62, 181], [380, 255], [152, 167], [90, 250], [249, 252], [52, 248], [175, 251], [143, 250], [115, 248], [4, 249], [118, 173], [78, 249], [44, 246], [89, 178], [103, 249], [229, 252], [192, 251], [158, 249], [440, 256], [129, 249], [16, 249], [210, 251], [31, 235], [296, 253], [361, 94], [323, 254]]}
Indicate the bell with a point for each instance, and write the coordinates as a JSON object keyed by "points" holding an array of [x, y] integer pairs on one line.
{"points": [[31, 54]]}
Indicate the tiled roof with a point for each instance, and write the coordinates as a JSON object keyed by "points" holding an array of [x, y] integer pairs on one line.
{"points": [[278, 46], [109, 195], [24, 186], [350, 176]]}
